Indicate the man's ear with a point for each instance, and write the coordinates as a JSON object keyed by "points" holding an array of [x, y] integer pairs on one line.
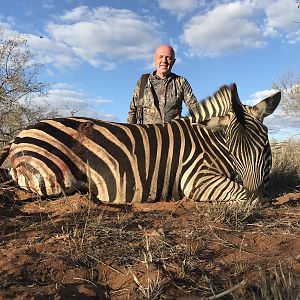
{"points": [[174, 60], [267, 106]]}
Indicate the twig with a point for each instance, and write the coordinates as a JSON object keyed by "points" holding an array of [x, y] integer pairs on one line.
{"points": [[86, 280], [179, 203], [118, 291], [84, 228], [231, 245], [225, 229], [101, 262], [262, 225], [237, 286], [292, 213]]}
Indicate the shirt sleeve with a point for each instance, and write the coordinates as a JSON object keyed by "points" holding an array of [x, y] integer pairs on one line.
{"points": [[189, 97], [131, 119]]}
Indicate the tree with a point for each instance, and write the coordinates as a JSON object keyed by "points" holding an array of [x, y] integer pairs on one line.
{"points": [[72, 110], [18, 85], [289, 84]]}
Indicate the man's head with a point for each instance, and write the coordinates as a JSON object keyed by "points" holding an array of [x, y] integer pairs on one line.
{"points": [[164, 60]]}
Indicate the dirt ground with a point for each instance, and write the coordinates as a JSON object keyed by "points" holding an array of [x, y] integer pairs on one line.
{"points": [[75, 248]]}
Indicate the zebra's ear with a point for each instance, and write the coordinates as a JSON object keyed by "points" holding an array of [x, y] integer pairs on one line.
{"points": [[267, 106]]}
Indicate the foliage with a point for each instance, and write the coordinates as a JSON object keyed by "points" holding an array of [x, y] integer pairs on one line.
{"points": [[285, 173], [18, 85], [290, 86]]}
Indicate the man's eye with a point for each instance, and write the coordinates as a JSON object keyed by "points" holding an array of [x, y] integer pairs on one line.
{"points": [[166, 57]]}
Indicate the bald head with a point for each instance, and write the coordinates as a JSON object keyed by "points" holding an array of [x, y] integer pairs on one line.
{"points": [[164, 60], [165, 48]]}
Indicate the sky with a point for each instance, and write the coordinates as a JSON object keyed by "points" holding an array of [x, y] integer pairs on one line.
{"points": [[94, 51]]}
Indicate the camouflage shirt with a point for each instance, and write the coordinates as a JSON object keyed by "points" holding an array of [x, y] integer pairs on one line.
{"points": [[162, 99]]}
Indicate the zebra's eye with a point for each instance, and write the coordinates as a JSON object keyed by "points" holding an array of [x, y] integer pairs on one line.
{"points": [[225, 117]]}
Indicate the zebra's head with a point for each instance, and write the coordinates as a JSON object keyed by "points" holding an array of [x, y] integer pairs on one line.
{"points": [[246, 138]]}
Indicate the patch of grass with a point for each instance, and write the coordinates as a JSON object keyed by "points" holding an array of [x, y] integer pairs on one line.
{"points": [[234, 215], [285, 173], [154, 282], [273, 284]]}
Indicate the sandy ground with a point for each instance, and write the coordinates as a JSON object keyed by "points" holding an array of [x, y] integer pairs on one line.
{"points": [[75, 248]]}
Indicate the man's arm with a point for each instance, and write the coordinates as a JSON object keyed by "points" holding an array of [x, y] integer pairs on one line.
{"points": [[189, 97], [132, 118]]}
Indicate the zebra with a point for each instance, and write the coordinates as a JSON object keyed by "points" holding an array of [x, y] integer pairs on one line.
{"points": [[220, 153]]}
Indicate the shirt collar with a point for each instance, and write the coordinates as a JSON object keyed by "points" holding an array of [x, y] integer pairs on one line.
{"points": [[170, 75]]}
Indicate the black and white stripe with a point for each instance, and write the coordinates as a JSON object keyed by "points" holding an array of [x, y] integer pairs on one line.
{"points": [[221, 154]]}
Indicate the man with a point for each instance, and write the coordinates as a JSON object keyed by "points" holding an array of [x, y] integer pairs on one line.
{"points": [[157, 97]]}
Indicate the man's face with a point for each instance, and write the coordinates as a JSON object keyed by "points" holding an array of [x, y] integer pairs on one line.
{"points": [[164, 60]]}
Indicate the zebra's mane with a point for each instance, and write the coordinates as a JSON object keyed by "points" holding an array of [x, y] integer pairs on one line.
{"points": [[220, 103]]}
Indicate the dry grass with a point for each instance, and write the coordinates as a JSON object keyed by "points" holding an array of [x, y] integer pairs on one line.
{"points": [[234, 215], [191, 251], [183, 261], [202, 253], [274, 284], [285, 175]]}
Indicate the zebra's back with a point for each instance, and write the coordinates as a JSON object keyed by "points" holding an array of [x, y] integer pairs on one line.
{"points": [[118, 162]]}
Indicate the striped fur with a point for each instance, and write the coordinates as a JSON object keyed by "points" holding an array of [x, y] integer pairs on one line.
{"points": [[222, 154]]}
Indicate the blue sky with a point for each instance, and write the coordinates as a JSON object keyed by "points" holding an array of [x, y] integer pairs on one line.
{"points": [[94, 51]]}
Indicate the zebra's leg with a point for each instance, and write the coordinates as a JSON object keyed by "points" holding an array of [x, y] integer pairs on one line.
{"points": [[38, 181], [214, 188]]}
